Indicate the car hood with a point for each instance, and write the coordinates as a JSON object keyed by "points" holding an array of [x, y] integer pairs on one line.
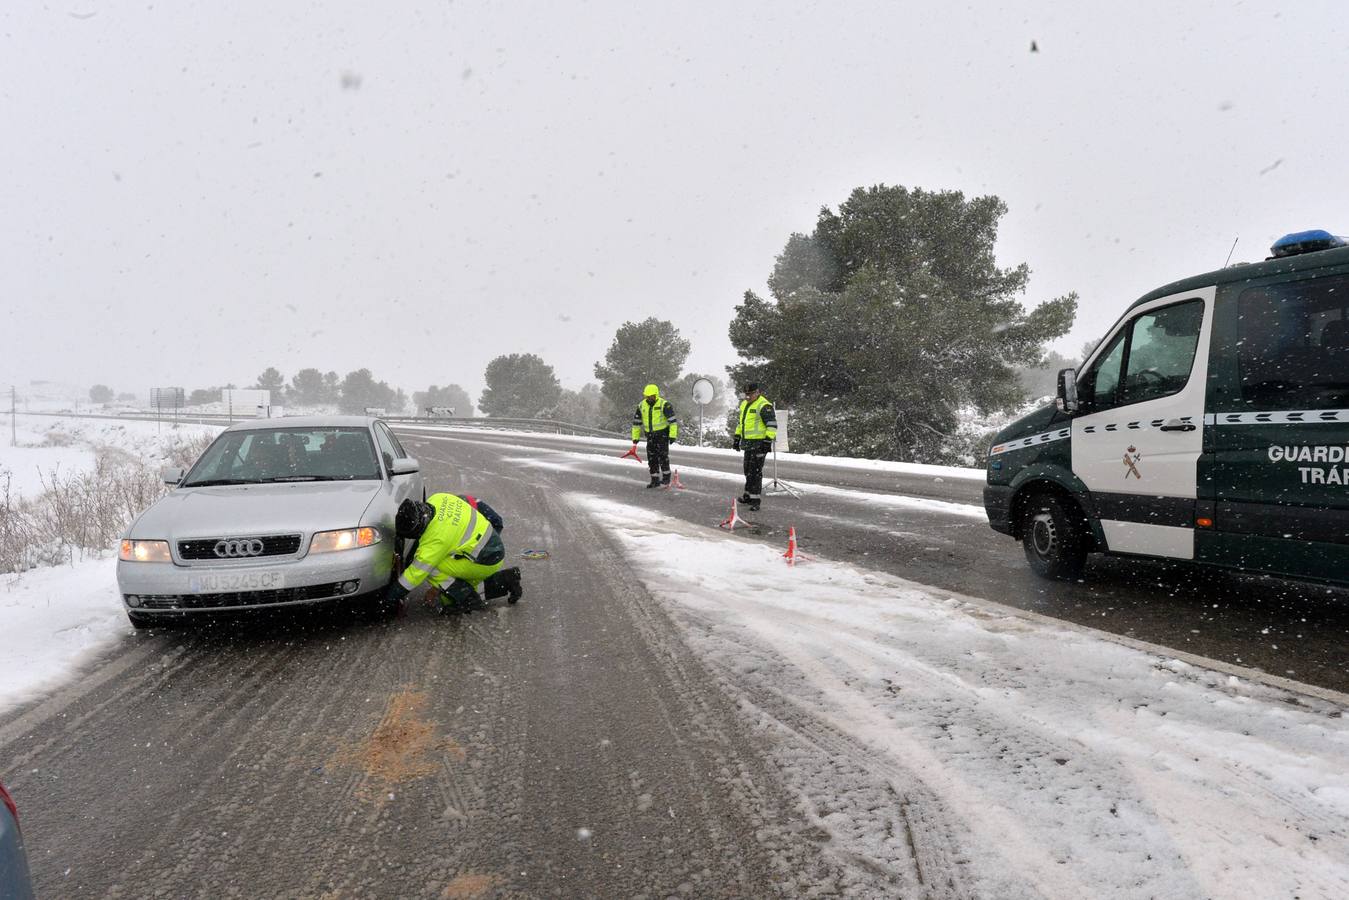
{"points": [[253, 509]]}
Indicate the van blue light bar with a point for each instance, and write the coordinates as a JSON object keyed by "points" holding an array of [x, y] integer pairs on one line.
{"points": [[1305, 242]]}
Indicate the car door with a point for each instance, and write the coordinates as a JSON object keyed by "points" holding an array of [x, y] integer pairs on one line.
{"points": [[1137, 439], [1279, 426]]}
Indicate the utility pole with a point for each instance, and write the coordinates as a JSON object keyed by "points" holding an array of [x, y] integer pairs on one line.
{"points": [[13, 434]]}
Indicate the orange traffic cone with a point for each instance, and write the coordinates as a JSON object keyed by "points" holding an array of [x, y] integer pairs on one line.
{"points": [[733, 519], [675, 483], [793, 554]]}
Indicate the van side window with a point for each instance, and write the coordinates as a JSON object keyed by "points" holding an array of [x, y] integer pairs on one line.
{"points": [[1151, 357], [1102, 380], [1161, 352], [1293, 345]]}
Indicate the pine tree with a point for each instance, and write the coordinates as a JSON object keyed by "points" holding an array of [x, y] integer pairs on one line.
{"points": [[888, 319], [642, 353], [520, 385]]}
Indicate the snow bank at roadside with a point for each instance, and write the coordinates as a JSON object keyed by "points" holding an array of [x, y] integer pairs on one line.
{"points": [[935, 738], [875, 465], [53, 620]]}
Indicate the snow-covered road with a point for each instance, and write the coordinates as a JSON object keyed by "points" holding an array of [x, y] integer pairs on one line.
{"points": [[1013, 756]]}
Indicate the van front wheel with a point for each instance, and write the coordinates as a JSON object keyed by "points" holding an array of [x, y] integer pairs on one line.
{"points": [[1052, 537]]}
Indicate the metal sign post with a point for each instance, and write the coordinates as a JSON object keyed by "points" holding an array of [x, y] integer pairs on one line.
{"points": [[777, 486]]}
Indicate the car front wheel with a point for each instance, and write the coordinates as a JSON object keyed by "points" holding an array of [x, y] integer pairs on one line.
{"points": [[1053, 538]]}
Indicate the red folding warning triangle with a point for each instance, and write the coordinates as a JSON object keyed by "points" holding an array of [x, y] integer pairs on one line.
{"points": [[632, 451], [793, 554], [733, 519]]}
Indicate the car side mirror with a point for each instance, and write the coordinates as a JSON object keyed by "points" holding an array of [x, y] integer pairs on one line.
{"points": [[405, 466], [1067, 399], [171, 474]]}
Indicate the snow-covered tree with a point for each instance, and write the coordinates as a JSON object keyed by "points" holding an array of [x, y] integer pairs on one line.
{"points": [[519, 385], [890, 318], [451, 395], [642, 353]]}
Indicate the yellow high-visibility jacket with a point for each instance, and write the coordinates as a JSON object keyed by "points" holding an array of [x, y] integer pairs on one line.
{"points": [[757, 421], [653, 418], [452, 545]]}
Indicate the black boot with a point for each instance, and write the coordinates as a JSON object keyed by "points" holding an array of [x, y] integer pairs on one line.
{"points": [[495, 586], [664, 478], [457, 597], [745, 498], [655, 482], [513, 583], [754, 506]]}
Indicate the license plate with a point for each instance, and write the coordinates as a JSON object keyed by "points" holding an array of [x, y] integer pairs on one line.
{"points": [[229, 582]]}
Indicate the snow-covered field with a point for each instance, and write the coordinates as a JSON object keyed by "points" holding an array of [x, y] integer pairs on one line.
{"points": [[929, 735], [69, 445], [54, 619]]}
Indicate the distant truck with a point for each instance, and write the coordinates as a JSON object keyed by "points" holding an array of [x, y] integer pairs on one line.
{"points": [[247, 402], [439, 412], [1211, 424]]}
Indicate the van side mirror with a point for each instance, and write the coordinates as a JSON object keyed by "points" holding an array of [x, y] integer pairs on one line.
{"points": [[171, 474], [1067, 400]]}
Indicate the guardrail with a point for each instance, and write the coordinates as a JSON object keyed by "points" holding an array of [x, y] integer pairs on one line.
{"points": [[543, 426]]}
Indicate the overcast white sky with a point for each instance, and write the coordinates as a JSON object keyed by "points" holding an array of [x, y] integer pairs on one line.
{"points": [[190, 192]]}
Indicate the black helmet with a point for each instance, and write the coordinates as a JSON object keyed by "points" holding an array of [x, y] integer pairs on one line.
{"points": [[412, 518]]}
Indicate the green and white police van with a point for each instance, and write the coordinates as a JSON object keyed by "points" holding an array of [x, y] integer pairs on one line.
{"points": [[1211, 424]]}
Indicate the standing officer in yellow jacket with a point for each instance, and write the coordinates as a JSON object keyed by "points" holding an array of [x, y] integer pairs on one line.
{"points": [[656, 419], [459, 547], [755, 430]]}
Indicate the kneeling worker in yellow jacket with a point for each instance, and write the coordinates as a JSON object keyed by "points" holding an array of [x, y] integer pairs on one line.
{"points": [[459, 548]]}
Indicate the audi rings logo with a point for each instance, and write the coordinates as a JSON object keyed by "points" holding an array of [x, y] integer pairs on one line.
{"points": [[240, 547]]}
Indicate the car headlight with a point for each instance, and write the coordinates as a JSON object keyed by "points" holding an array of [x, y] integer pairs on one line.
{"points": [[346, 539], [144, 551]]}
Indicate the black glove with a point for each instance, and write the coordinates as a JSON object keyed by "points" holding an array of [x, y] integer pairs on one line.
{"points": [[395, 592], [763, 447], [673, 438], [735, 444]]}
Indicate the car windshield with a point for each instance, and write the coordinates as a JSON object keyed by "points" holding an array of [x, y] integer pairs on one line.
{"points": [[261, 456]]}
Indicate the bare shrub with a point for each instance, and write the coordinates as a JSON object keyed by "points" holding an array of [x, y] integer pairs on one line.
{"points": [[184, 451], [82, 513]]}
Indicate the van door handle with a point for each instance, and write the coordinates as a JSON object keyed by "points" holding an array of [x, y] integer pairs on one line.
{"points": [[1178, 425]]}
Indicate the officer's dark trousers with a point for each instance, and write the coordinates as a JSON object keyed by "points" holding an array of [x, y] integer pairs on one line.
{"points": [[658, 455], [755, 454]]}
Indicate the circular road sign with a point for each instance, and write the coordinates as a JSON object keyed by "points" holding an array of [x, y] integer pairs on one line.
{"points": [[703, 392]]}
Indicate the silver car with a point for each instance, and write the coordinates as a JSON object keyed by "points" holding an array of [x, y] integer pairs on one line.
{"points": [[275, 513]]}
